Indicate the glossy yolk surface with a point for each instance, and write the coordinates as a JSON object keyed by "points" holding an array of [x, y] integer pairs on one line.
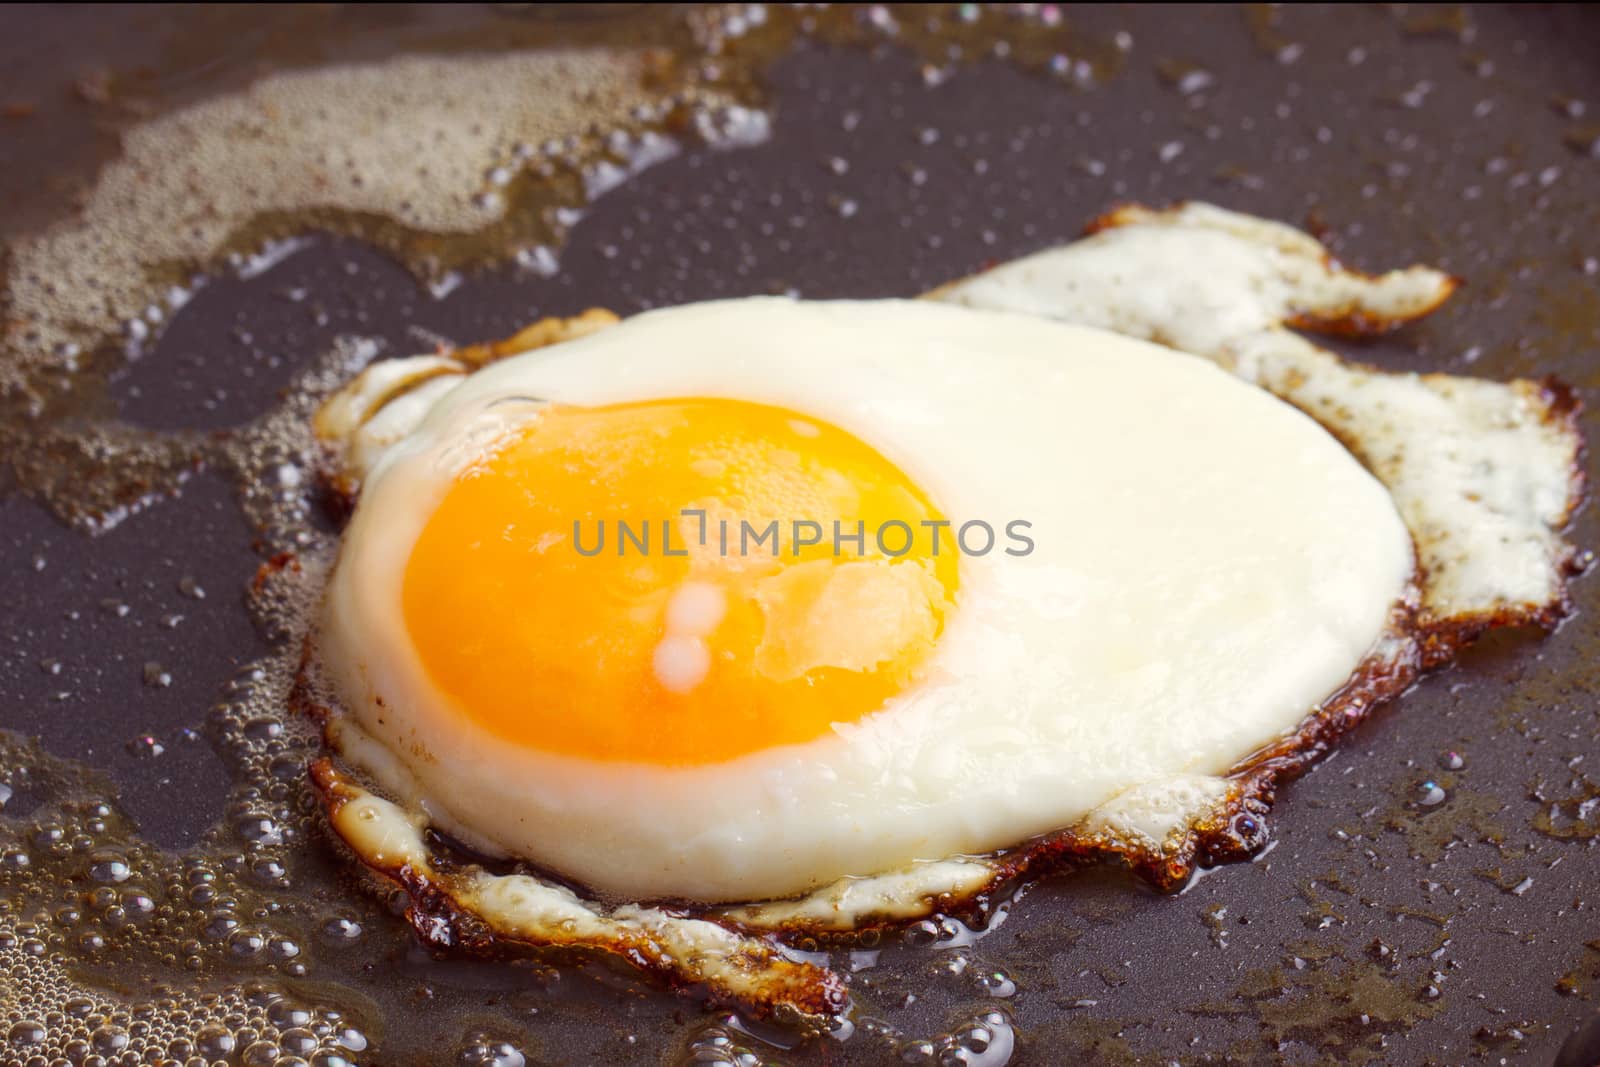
{"points": [[563, 600]]}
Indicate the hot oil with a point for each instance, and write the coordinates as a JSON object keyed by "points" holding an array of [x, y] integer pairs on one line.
{"points": [[260, 945], [444, 161]]}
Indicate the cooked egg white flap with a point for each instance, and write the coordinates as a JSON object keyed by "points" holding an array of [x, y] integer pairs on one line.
{"points": [[1485, 474], [520, 908]]}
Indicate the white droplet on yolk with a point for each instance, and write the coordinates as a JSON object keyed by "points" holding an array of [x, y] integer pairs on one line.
{"points": [[681, 663], [695, 609]]}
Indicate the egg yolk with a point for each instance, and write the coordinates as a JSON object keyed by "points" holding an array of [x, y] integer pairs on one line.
{"points": [[677, 582]]}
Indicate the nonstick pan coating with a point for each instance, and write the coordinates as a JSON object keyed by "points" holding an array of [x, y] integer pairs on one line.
{"points": [[1377, 928]]}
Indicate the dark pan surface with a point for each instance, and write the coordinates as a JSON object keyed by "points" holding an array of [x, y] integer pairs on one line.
{"points": [[1376, 929]]}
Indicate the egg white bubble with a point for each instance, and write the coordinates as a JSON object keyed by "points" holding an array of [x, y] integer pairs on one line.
{"points": [[1209, 564]]}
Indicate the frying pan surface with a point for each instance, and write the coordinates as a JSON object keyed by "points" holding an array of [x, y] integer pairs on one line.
{"points": [[1377, 928]]}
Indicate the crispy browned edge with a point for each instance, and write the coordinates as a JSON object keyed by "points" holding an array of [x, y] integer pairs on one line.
{"points": [[1349, 321], [791, 992], [1234, 832], [546, 331]]}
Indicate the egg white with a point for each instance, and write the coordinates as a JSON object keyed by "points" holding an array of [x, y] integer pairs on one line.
{"points": [[1186, 601]]}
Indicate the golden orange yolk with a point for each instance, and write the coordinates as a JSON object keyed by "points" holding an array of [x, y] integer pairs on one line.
{"points": [[562, 598]]}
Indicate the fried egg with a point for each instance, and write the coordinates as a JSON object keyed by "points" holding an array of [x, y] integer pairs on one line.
{"points": [[1099, 622]]}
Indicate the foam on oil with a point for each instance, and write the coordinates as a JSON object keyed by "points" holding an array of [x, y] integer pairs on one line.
{"points": [[251, 947]]}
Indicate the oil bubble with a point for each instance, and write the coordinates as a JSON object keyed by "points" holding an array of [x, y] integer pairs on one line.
{"points": [[1430, 794]]}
